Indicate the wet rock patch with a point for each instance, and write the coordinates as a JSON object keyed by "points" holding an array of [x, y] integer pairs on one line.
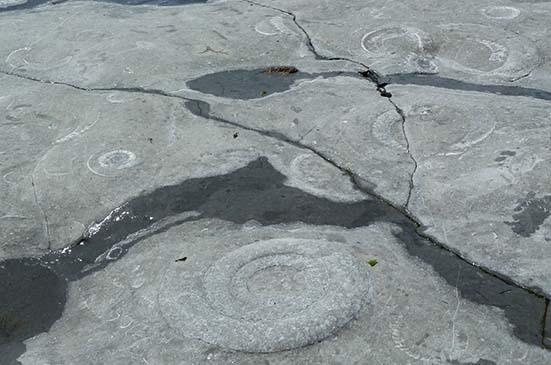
{"points": [[255, 192], [255, 84], [530, 214], [452, 84]]}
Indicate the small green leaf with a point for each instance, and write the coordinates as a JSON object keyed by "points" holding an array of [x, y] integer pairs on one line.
{"points": [[373, 262]]}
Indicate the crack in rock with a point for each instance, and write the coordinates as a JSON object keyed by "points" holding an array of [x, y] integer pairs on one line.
{"points": [[201, 108], [257, 192], [369, 73], [408, 149]]}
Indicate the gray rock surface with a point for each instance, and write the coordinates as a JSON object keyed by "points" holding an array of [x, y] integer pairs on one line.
{"points": [[482, 173], [344, 120], [215, 182], [481, 42], [129, 312]]}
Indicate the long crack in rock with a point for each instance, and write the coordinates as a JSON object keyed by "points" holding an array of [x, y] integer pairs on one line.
{"points": [[255, 192], [421, 79], [260, 182], [406, 138], [370, 74], [527, 327]]}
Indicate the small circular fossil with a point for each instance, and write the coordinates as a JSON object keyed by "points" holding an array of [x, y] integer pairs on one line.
{"points": [[118, 159], [268, 296], [411, 46], [501, 12], [455, 133], [273, 26], [110, 163], [387, 129], [483, 50], [469, 48]]}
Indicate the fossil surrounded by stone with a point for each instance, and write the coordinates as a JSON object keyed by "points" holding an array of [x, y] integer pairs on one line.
{"points": [[192, 181]]}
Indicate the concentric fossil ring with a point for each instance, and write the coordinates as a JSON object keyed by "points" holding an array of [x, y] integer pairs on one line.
{"points": [[485, 51], [111, 163], [501, 12], [408, 45], [268, 296], [468, 48]]}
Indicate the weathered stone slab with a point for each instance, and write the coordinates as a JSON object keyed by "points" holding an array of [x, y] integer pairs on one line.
{"points": [[342, 118], [479, 42], [197, 201], [74, 156], [147, 324], [482, 182], [94, 44]]}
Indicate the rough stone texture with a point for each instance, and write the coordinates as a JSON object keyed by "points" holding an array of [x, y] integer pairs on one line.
{"points": [[481, 184], [122, 310], [475, 41], [268, 296], [148, 151], [153, 47], [122, 144], [353, 132]]}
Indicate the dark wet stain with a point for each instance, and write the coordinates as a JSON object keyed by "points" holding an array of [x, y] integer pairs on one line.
{"points": [[32, 298], [254, 84], [35, 3], [447, 83], [505, 155], [33, 290], [547, 326], [479, 362], [531, 213], [524, 310]]}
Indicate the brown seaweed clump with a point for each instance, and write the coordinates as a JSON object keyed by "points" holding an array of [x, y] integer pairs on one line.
{"points": [[283, 70]]}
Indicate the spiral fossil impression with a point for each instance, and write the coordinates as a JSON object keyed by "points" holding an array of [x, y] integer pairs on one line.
{"points": [[268, 296]]}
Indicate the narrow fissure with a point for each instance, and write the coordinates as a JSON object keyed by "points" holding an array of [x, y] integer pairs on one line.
{"points": [[202, 109], [410, 154]]}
